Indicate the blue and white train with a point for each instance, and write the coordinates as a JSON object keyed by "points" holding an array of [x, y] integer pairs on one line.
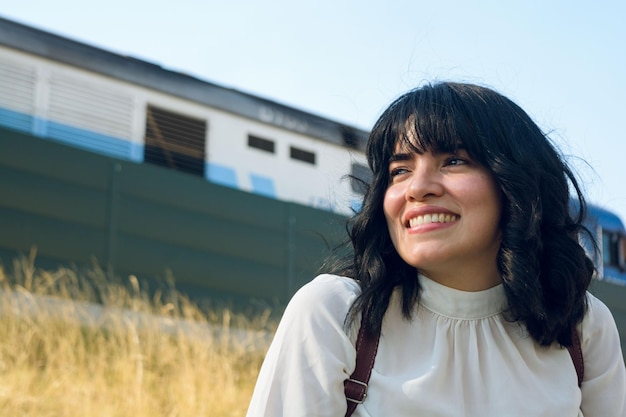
{"points": [[66, 91], [62, 90]]}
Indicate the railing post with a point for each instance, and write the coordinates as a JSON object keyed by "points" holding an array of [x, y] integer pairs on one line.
{"points": [[113, 213]]}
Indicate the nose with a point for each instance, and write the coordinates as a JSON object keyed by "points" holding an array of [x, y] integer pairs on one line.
{"points": [[425, 183]]}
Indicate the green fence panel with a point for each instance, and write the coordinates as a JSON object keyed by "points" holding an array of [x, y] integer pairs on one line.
{"points": [[77, 206]]}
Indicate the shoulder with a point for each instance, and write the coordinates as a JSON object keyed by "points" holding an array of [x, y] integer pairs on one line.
{"points": [[316, 314], [325, 294], [600, 340], [311, 353], [604, 380], [597, 317], [327, 286]]}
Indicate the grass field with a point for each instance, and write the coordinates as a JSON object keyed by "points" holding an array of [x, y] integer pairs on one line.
{"points": [[128, 354]]}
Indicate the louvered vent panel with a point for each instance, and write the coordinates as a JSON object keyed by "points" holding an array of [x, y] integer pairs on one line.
{"points": [[90, 107], [175, 141], [17, 87]]}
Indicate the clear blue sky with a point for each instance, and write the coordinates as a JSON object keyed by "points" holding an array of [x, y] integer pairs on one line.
{"points": [[564, 62]]}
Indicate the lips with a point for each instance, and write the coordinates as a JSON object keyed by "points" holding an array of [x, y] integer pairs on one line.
{"points": [[432, 218]]}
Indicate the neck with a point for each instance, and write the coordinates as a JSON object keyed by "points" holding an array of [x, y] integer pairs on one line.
{"points": [[466, 279]]}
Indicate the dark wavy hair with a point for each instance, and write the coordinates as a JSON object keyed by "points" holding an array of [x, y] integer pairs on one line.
{"points": [[545, 271]]}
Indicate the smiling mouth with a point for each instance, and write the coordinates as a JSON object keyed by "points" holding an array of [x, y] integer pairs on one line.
{"points": [[433, 218]]}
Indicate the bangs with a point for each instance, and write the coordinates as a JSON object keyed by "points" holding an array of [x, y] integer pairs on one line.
{"points": [[421, 134], [431, 121]]}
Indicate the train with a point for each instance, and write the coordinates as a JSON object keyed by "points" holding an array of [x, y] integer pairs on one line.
{"points": [[61, 90], [609, 235]]}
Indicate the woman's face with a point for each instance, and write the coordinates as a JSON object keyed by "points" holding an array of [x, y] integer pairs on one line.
{"points": [[443, 214]]}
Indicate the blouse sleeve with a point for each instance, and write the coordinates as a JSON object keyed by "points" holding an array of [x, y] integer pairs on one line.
{"points": [[604, 383], [310, 356]]}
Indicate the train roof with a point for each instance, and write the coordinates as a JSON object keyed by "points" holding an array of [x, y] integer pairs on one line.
{"points": [[54, 47], [609, 220], [597, 215]]}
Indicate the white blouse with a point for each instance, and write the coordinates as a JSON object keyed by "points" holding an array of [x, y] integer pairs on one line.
{"points": [[459, 356]]}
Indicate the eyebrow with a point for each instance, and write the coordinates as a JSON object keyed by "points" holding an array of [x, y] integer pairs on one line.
{"points": [[406, 156], [401, 156]]}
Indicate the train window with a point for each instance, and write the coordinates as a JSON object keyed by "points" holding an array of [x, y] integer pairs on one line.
{"points": [[622, 247], [610, 248], [260, 143], [175, 141], [302, 155], [360, 177]]}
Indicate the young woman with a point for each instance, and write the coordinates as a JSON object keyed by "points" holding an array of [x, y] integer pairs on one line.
{"points": [[466, 260]]}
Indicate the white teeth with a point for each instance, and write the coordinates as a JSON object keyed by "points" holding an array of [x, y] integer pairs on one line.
{"points": [[432, 218]]}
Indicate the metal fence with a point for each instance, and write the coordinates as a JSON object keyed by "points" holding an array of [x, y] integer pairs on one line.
{"points": [[76, 206]]}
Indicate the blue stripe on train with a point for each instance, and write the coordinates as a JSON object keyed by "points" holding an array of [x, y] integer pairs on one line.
{"points": [[263, 185], [15, 120], [74, 136], [221, 174], [97, 142], [227, 176]]}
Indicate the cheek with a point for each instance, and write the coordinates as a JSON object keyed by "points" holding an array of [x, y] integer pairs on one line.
{"points": [[488, 198], [478, 188], [392, 203], [494, 197]]}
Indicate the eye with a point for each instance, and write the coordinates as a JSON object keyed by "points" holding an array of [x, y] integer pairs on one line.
{"points": [[455, 160], [394, 172], [460, 157], [397, 173]]}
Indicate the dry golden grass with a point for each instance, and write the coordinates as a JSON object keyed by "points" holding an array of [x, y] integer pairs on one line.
{"points": [[61, 354]]}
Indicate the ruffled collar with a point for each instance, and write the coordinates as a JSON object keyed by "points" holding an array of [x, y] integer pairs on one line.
{"points": [[459, 304]]}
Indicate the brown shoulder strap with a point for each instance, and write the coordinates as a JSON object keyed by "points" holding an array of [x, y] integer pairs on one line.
{"points": [[576, 353], [355, 387]]}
